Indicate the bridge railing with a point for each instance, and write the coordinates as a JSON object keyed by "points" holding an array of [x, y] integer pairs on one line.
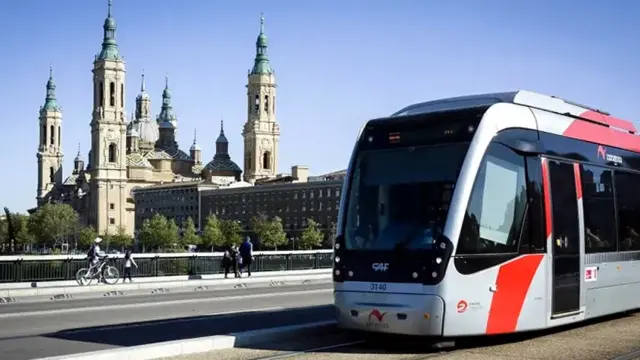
{"points": [[29, 268]]}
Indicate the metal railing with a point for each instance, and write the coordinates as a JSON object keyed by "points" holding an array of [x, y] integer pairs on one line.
{"points": [[64, 267]]}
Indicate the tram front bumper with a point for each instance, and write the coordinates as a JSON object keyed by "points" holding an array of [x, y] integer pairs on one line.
{"points": [[390, 313]]}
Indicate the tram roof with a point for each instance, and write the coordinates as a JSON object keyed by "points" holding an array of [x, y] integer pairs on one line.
{"points": [[521, 97]]}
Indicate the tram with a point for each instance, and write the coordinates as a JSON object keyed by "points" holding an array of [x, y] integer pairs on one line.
{"points": [[488, 214]]}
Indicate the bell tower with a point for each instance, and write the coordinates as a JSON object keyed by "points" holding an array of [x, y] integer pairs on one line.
{"points": [[108, 135], [50, 144], [261, 132]]}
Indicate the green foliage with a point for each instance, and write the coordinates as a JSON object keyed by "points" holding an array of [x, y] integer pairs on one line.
{"points": [[21, 227], [311, 236], [120, 239], [189, 234], [331, 234], [270, 231], [86, 235], [51, 223], [212, 232], [230, 231], [158, 233]]}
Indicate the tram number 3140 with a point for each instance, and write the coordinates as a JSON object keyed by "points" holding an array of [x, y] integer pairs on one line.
{"points": [[378, 287]]}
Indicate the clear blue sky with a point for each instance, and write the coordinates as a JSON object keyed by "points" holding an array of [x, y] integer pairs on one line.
{"points": [[337, 64]]}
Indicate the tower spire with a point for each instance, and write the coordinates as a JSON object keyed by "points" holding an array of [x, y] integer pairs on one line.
{"points": [[221, 126], [109, 47], [142, 85], [261, 62], [51, 102]]}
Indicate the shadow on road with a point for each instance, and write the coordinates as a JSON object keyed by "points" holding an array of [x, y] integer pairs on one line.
{"points": [[363, 343], [141, 333]]}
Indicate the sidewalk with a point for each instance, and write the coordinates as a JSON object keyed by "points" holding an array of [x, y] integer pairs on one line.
{"points": [[8, 290]]}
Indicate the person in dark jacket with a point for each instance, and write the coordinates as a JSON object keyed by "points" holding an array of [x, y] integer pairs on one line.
{"points": [[230, 260], [246, 255]]}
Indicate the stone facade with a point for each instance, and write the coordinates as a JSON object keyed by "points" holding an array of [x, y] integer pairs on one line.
{"points": [[128, 154]]}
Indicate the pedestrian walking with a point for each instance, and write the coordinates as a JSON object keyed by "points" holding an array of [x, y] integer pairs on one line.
{"points": [[128, 261], [246, 256]]}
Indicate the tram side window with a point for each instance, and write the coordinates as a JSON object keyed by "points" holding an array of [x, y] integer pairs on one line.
{"points": [[628, 202], [494, 217], [599, 213]]}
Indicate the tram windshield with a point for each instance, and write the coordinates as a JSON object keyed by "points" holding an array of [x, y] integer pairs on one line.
{"points": [[399, 198]]}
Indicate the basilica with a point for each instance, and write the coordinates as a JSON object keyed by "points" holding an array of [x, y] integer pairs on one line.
{"points": [[132, 152]]}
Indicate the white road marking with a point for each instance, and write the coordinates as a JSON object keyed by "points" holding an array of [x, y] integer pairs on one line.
{"points": [[222, 315], [313, 350], [159, 303]]}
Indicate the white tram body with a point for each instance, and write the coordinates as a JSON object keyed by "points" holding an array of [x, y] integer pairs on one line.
{"points": [[488, 214]]}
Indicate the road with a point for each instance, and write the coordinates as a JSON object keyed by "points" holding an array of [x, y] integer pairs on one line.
{"points": [[614, 338], [34, 330]]}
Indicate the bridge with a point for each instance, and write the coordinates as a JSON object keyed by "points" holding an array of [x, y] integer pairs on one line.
{"points": [[180, 308]]}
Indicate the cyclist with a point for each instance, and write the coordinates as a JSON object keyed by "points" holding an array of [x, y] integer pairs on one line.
{"points": [[95, 254]]}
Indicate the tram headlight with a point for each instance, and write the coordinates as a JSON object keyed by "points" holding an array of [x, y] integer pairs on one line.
{"points": [[350, 273], [434, 274], [337, 246], [438, 260], [337, 259], [337, 272], [415, 275]]}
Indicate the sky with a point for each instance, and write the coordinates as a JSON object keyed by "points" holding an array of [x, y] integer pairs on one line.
{"points": [[338, 63]]}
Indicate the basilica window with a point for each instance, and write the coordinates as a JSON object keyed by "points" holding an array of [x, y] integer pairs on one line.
{"points": [[52, 175], [266, 103], [43, 135], [266, 160], [112, 94], [256, 107], [122, 95], [100, 94], [52, 136], [112, 153], [59, 136]]}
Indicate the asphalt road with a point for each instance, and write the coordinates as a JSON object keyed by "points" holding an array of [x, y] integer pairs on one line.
{"points": [[35, 330], [612, 338]]}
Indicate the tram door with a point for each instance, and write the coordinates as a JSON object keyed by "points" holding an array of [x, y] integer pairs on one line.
{"points": [[565, 236]]}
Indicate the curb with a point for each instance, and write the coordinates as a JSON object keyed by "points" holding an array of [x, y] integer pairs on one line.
{"points": [[201, 345], [103, 288]]}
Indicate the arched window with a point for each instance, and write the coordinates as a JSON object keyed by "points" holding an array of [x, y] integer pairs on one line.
{"points": [[112, 153], [52, 175], [122, 95], [112, 94], [266, 160], [266, 104], [274, 104], [100, 94], [59, 136], [52, 135], [256, 107], [43, 136]]}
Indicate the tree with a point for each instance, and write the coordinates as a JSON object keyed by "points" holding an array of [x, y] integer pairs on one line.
{"points": [[23, 236], [270, 231], [157, 232], [86, 235], [189, 233], [260, 225], [311, 236], [331, 234], [51, 223], [212, 233], [121, 239], [230, 231], [173, 234]]}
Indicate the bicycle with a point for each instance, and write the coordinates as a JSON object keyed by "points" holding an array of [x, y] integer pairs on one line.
{"points": [[109, 274]]}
